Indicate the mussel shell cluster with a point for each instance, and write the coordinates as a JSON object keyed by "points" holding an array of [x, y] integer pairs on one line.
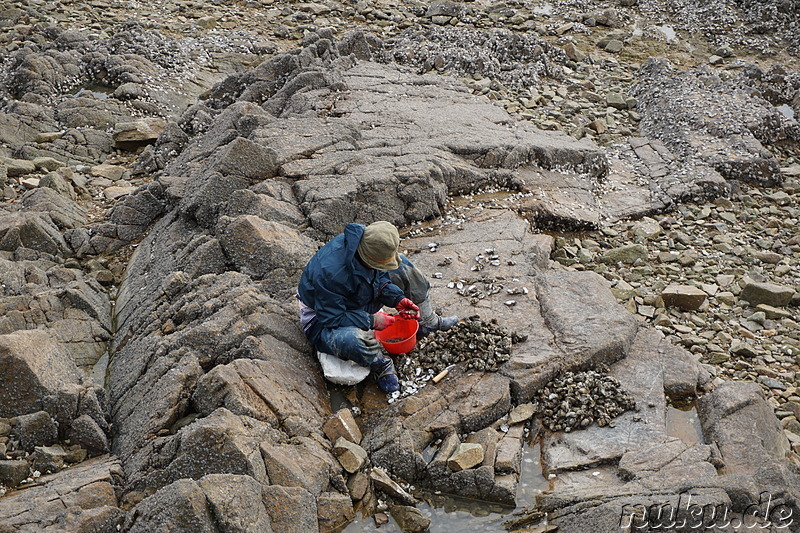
{"points": [[481, 345], [575, 400]]}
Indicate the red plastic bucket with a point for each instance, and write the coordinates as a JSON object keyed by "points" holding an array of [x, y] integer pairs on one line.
{"points": [[402, 328]]}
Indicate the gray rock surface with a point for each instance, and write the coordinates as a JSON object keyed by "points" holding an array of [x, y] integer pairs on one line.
{"points": [[219, 410]]}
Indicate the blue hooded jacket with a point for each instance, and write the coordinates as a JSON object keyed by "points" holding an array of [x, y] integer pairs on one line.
{"points": [[340, 289]]}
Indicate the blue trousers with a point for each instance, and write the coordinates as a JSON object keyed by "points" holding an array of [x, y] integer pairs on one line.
{"points": [[351, 343]]}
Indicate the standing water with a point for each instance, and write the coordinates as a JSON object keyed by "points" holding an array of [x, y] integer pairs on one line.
{"points": [[683, 423], [451, 514]]}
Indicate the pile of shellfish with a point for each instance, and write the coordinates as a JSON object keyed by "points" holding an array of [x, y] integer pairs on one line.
{"points": [[479, 344], [575, 400]]}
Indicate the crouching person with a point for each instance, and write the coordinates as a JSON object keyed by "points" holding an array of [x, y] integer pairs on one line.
{"points": [[345, 285]]}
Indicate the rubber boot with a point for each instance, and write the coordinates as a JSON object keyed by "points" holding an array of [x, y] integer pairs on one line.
{"points": [[430, 321], [385, 375]]}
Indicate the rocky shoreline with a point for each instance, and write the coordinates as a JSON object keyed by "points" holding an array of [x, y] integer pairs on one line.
{"points": [[615, 184]]}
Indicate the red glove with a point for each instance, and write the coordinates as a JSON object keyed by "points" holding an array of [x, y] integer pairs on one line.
{"points": [[407, 308], [381, 320]]}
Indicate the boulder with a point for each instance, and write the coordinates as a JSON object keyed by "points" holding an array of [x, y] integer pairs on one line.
{"points": [[57, 182], [33, 369], [13, 472], [756, 293], [410, 519], [129, 135], [466, 456], [36, 429], [351, 456], [180, 506], [65, 213], [220, 443], [627, 254], [334, 510], [684, 297], [342, 425], [521, 413], [86, 432], [49, 459], [305, 465], [737, 418], [245, 158], [261, 249], [383, 482], [17, 167], [31, 230], [236, 503], [261, 389], [290, 509]]}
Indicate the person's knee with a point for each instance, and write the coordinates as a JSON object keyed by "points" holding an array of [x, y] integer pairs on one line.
{"points": [[351, 343]]}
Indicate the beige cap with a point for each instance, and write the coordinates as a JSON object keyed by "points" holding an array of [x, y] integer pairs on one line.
{"points": [[378, 246]]}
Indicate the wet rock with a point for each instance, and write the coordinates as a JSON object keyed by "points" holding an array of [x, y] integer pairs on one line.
{"points": [[351, 456], [466, 456], [235, 502], [685, 297], [333, 511], [383, 482], [410, 519], [342, 425], [509, 455], [637, 373], [756, 293]]}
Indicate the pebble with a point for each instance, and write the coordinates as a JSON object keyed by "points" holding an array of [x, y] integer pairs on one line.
{"points": [[689, 253]]}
